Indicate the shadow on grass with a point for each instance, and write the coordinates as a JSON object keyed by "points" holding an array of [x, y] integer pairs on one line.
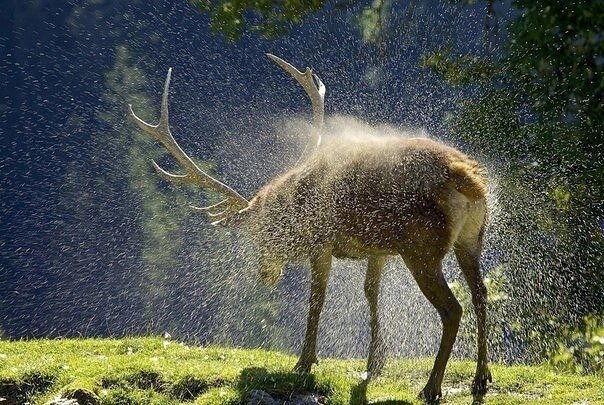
{"points": [[284, 385], [186, 387], [280, 385], [20, 390], [358, 396]]}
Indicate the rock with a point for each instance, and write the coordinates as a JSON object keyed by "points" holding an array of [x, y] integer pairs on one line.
{"points": [[305, 399], [62, 401], [259, 397], [81, 396]]}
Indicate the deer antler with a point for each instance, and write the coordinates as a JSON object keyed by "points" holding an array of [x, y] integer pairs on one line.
{"points": [[314, 87], [233, 202]]}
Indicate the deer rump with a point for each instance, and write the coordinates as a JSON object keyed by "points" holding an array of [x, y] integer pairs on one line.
{"points": [[373, 196]]}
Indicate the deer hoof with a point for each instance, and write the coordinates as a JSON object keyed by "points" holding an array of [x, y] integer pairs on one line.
{"points": [[481, 382], [431, 394]]}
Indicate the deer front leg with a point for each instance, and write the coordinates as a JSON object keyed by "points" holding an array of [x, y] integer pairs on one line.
{"points": [[432, 283], [319, 275], [377, 348]]}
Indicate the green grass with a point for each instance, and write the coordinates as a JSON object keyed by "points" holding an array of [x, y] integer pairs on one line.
{"points": [[155, 371]]}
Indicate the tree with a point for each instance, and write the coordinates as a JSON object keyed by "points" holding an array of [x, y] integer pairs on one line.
{"points": [[270, 18]]}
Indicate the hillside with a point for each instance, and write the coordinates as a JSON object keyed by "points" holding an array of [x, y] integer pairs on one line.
{"points": [[157, 371]]}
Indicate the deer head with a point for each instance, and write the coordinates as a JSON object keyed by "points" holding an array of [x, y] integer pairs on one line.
{"points": [[234, 209]]}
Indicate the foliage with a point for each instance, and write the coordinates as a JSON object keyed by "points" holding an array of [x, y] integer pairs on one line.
{"points": [[160, 220], [106, 180], [373, 20], [464, 69], [270, 18], [152, 370], [555, 53], [535, 112], [581, 350]]}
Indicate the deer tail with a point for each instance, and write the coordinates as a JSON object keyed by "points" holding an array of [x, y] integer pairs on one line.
{"points": [[469, 178]]}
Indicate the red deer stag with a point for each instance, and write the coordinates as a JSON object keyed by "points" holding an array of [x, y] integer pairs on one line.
{"points": [[361, 199]]}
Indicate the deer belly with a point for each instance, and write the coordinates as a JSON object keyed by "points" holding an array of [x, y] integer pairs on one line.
{"points": [[350, 247]]}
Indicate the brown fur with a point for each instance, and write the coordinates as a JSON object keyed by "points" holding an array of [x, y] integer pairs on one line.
{"points": [[368, 195], [363, 197], [368, 198]]}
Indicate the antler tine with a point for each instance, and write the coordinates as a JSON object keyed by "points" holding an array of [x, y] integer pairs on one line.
{"points": [[314, 88], [162, 128], [163, 113], [175, 178], [194, 175], [218, 207]]}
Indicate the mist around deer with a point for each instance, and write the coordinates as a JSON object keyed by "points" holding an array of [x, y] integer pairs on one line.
{"points": [[95, 244], [410, 323]]}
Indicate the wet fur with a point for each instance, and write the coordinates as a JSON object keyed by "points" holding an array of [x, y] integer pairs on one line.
{"points": [[368, 196], [362, 196]]}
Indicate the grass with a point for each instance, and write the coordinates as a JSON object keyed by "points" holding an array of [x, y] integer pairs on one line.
{"points": [[156, 371]]}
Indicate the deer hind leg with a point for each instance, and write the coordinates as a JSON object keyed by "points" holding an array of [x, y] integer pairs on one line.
{"points": [[467, 250], [427, 272], [377, 348], [321, 265]]}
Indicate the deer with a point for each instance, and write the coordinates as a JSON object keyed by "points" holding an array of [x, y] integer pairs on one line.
{"points": [[361, 199]]}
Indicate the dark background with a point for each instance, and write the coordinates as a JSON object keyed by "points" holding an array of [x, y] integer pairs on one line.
{"points": [[93, 244]]}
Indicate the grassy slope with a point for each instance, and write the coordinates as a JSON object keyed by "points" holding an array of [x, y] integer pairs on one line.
{"points": [[151, 370]]}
